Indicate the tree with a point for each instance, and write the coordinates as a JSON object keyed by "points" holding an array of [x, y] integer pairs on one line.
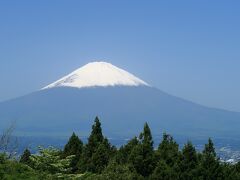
{"points": [[146, 137], [8, 143], [124, 151], [167, 158], [12, 169], [96, 136], [49, 160], [189, 162], [25, 158], [120, 172], [163, 172], [97, 151], [100, 159], [142, 155], [209, 149], [168, 150], [235, 170], [229, 172], [73, 147], [210, 166]]}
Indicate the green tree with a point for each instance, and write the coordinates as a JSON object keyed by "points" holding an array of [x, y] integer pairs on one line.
{"points": [[124, 151], [25, 158], [120, 172], [167, 158], [142, 155], [168, 151], [100, 158], [229, 172], [49, 160], [189, 162], [96, 137], [73, 147], [114, 171], [14, 170], [210, 165], [209, 149], [234, 171], [97, 151], [163, 172]]}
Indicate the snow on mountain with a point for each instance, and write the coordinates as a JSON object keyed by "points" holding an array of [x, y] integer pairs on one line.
{"points": [[98, 74]]}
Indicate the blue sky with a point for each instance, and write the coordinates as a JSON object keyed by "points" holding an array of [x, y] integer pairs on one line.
{"points": [[190, 49]]}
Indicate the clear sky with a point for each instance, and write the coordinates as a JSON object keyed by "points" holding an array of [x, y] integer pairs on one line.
{"points": [[190, 49]]}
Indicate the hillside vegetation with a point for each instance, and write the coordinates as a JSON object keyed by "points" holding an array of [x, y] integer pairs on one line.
{"points": [[136, 160]]}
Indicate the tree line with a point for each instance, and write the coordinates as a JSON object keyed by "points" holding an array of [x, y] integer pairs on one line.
{"points": [[98, 159]]}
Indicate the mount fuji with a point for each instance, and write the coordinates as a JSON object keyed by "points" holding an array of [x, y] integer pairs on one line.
{"points": [[100, 74], [121, 100]]}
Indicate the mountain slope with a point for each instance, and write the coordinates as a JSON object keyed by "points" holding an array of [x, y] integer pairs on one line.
{"points": [[122, 110]]}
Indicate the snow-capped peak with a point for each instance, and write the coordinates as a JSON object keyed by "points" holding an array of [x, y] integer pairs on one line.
{"points": [[98, 74]]}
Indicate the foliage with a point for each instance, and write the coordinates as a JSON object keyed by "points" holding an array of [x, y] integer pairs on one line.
{"points": [[168, 150], [210, 166], [163, 171], [49, 160], [117, 172], [137, 160], [11, 169], [189, 162], [124, 152], [73, 147], [97, 152], [142, 155], [25, 158]]}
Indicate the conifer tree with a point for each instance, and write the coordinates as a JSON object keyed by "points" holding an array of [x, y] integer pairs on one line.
{"points": [[97, 151], [116, 171], [100, 159], [189, 162], [146, 137], [73, 147], [210, 166], [168, 150], [209, 149], [25, 158], [234, 171], [163, 172], [95, 138], [125, 151], [141, 156]]}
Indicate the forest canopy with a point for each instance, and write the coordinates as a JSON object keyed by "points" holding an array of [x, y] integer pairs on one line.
{"points": [[137, 159]]}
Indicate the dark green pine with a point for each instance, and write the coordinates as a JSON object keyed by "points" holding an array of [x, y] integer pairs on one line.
{"points": [[25, 158], [73, 147]]}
